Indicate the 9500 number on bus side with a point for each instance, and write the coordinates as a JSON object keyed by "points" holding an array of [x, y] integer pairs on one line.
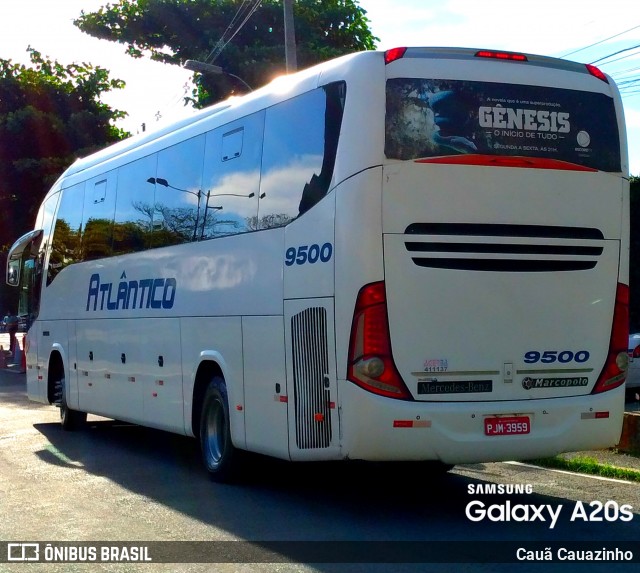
{"points": [[507, 426], [308, 254]]}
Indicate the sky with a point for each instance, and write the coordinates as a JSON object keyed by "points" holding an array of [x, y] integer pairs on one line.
{"points": [[556, 28]]}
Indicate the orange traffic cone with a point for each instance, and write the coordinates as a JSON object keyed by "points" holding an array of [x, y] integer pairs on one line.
{"points": [[3, 358]]}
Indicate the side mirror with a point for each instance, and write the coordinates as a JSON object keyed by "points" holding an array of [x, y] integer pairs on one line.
{"points": [[30, 243]]}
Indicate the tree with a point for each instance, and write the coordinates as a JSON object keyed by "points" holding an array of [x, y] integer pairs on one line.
{"points": [[49, 115], [173, 31]]}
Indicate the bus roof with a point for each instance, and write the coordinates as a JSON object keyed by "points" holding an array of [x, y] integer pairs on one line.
{"points": [[285, 87], [282, 87]]}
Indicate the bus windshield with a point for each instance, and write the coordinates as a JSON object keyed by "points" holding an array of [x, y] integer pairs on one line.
{"points": [[428, 118]]}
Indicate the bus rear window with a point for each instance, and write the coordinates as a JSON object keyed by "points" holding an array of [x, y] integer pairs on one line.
{"points": [[431, 118]]}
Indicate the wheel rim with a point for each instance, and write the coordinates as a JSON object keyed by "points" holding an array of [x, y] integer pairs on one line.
{"points": [[215, 433]]}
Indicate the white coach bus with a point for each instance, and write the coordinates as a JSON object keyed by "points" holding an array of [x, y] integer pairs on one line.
{"points": [[418, 255]]}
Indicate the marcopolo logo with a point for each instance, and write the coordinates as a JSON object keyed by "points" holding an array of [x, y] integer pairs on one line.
{"points": [[156, 293], [529, 383]]}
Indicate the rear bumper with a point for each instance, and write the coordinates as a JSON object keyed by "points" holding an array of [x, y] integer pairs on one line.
{"points": [[377, 428]]}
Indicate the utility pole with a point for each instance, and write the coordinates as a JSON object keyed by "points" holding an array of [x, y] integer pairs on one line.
{"points": [[289, 37]]}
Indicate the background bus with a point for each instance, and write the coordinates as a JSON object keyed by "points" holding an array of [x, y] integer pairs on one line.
{"points": [[416, 255]]}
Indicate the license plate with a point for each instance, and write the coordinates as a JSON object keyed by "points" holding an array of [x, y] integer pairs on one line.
{"points": [[507, 426]]}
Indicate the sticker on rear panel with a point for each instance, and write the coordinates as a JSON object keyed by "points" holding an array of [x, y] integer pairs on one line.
{"points": [[436, 365], [529, 383]]}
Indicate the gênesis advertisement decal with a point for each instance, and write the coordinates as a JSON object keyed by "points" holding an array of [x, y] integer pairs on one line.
{"points": [[428, 118]]}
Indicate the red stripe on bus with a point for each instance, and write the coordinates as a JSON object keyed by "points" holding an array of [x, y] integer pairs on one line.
{"points": [[506, 161]]}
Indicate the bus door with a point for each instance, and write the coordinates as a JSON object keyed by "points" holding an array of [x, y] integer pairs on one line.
{"points": [[24, 270]]}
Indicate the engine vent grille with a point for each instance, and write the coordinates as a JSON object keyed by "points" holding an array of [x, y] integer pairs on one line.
{"points": [[310, 378], [504, 248]]}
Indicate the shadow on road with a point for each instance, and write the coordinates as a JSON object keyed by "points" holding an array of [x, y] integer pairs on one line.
{"points": [[312, 501]]}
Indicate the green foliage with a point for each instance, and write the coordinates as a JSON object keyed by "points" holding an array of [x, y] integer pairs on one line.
{"points": [[588, 465], [50, 114], [174, 31]]}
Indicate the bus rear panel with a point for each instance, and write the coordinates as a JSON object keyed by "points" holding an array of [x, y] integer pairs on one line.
{"points": [[498, 327]]}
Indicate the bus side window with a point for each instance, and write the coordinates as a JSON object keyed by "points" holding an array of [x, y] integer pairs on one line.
{"points": [[318, 185], [65, 243], [232, 177], [179, 204], [134, 214], [300, 145], [34, 269], [97, 215]]}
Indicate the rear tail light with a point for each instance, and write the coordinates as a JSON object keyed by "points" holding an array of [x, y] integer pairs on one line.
{"points": [[636, 352], [615, 368], [371, 364], [394, 54], [596, 72]]}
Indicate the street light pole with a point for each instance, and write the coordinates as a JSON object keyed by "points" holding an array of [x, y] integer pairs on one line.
{"points": [[289, 37], [198, 194], [204, 68]]}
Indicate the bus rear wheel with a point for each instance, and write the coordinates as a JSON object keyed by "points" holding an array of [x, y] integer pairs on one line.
{"points": [[69, 419], [220, 456]]}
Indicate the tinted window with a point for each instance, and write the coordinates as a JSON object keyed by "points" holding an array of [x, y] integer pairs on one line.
{"points": [[179, 205], [67, 233], [134, 216], [232, 177], [427, 118], [48, 213], [300, 144], [99, 207]]}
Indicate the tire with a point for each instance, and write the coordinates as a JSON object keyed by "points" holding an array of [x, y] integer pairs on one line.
{"points": [[69, 419], [219, 455]]}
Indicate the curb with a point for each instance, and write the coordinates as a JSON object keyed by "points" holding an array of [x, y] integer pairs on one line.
{"points": [[630, 437]]}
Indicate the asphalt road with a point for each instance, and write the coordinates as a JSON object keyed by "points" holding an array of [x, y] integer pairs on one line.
{"points": [[116, 482]]}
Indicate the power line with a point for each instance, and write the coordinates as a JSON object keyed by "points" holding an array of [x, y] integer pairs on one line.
{"points": [[620, 73], [631, 84], [244, 12], [624, 81], [221, 44], [616, 53], [620, 58], [599, 42]]}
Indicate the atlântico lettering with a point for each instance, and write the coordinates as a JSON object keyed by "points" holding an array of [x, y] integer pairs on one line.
{"points": [[130, 294]]}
